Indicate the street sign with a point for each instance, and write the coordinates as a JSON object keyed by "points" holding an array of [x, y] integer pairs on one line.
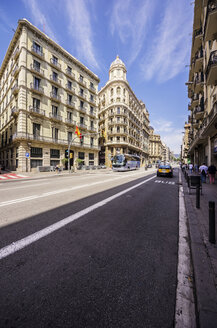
{"points": [[27, 155]]}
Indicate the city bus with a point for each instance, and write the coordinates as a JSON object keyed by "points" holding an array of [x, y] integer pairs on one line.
{"points": [[125, 162]]}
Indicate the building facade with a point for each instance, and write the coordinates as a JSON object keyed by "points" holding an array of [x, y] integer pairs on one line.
{"points": [[123, 119], [185, 143], [202, 84], [44, 94], [155, 147]]}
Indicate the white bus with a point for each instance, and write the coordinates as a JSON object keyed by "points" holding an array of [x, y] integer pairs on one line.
{"points": [[125, 162]]}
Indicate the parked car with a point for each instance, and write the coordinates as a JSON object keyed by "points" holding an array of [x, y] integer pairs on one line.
{"points": [[165, 170]]}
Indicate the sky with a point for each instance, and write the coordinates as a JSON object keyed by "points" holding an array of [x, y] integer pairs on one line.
{"points": [[153, 39]]}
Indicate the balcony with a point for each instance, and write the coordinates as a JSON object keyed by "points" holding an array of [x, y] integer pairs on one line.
{"points": [[82, 126], [194, 100], [198, 60], [55, 97], [91, 87], [198, 112], [16, 53], [82, 95], [69, 121], [15, 89], [198, 35], [211, 72], [15, 71], [14, 111], [55, 117], [37, 70], [36, 111], [70, 89], [199, 83], [211, 18], [36, 88], [92, 113], [55, 80], [37, 51], [93, 101], [92, 129], [82, 82], [82, 109], [55, 63], [70, 104], [28, 136], [69, 73]]}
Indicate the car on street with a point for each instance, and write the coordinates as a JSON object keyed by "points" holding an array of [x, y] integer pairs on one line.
{"points": [[165, 170]]}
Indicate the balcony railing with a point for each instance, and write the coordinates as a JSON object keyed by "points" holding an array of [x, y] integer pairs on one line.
{"points": [[70, 121], [36, 87], [70, 88], [82, 126], [37, 69], [37, 110], [55, 96], [70, 73], [55, 79], [38, 51], [81, 81], [211, 71], [55, 63], [70, 103], [55, 116]]}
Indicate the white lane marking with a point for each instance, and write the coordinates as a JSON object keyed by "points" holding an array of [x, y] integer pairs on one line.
{"points": [[3, 178], [16, 246], [20, 200], [165, 182], [185, 304], [21, 187]]}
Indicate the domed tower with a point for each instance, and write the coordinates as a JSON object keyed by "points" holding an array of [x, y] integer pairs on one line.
{"points": [[117, 70]]}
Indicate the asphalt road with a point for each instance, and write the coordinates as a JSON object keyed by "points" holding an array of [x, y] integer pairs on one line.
{"points": [[114, 266]]}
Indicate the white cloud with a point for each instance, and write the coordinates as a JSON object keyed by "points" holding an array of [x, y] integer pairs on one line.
{"points": [[170, 135], [79, 27], [130, 22], [170, 50]]}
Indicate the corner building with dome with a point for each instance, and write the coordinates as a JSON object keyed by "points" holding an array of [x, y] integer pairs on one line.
{"points": [[123, 119]]}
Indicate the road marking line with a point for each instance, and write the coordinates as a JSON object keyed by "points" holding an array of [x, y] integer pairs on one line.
{"points": [[185, 304], [22, 176], [3, 178], [22, 243], [20, 200], [21, 187], [11, 176]]}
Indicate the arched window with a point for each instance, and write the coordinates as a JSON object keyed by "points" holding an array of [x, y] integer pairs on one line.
{"points": [[112, 91], [118, 90]]}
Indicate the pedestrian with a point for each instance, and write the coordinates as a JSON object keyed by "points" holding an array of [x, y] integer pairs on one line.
{"points": [[212, 172], [57, 168], [203, 172], [190, 166]]}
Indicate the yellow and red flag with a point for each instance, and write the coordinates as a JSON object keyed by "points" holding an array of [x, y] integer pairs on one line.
{"points": [[77, 131]]}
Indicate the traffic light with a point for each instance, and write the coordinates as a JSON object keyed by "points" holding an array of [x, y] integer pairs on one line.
{"points": [[66, 153]]}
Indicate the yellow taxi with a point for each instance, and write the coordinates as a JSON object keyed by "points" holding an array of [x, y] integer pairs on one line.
{"points": [[165, 170]]}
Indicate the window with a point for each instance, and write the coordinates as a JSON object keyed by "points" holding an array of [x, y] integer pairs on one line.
{"points": [[91, 159], [118, 129], [118, 110], [81, 156], [55, 60], [54, 91], [36, 65], [54, 110], [36, 130], [91, 97], [69, 99], [91, 125], [82, 140], [81, 120], [91, 110], [69, 136], [69, 116], [81, 78], [118, 138], [91, 85], [55, 133], [118, 119], [81, 91], [35, 152], [35, 163], [91, 142], [118, 90], [81, 104], [55, 76], [54, 153], [37, 48], [36, 83], [69, 85], [36, 103], [69, 70]]}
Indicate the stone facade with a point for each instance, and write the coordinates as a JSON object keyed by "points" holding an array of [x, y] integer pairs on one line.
{"points": [[202, 85], [155, 147], [123, 119], [44, 94]]}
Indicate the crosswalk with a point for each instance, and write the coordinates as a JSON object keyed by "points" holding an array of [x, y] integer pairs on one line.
{"points": [[11, 176]]}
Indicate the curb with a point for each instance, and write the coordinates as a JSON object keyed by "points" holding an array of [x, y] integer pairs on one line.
{"points": [[206, 293]]}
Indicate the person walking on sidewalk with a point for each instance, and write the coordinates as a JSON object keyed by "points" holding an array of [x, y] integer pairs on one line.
{"points": [[203, 172], [212, 172], [190, 166]]}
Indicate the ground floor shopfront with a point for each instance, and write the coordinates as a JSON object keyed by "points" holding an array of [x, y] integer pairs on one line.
{"points": [[24, 156]]}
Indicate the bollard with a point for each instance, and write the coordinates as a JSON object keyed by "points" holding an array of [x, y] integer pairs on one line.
{"points": [[198, 196], [212, 222]]}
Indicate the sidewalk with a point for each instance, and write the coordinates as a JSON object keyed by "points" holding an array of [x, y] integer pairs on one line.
{"points": [[204, 254]]}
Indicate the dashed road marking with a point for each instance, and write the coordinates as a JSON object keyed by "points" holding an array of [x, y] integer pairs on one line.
{"points": [[9, 176], [165, 182]]}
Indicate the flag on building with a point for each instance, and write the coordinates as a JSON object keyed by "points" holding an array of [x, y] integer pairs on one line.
{"points": [[77, 131]]}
